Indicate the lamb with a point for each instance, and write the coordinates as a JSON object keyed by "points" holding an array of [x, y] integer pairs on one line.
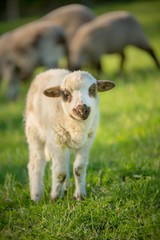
{"points": [[70, 17], [108, 33], [62, 114], [38, 43]]}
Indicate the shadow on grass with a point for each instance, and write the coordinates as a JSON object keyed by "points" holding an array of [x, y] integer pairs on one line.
{"points": [[131, 75]]}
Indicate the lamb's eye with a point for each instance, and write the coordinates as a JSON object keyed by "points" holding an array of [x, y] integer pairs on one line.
{"points": [[93, 90], [66, 96]]}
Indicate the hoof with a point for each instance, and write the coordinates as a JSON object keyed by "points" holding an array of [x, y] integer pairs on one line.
{"points": [[36, 198], [55, 199], [79, 197]]}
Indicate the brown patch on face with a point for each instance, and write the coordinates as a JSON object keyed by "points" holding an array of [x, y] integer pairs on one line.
{"points": [[66, 95], [93, 90]]}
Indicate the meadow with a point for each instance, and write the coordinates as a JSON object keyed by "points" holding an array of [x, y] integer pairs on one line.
{"points": [[123, 181]]}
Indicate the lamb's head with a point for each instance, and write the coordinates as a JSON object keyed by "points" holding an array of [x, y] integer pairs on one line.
{"points": [[78, 92]]}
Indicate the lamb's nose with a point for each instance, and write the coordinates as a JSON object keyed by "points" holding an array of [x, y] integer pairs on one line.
{"points": [[82, 111]]}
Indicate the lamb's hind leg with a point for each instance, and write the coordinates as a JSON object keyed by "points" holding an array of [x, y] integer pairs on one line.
{"points": [[36, 168]]}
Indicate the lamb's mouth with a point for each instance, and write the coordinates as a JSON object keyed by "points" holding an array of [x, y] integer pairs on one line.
{"points": [[78, 118]]}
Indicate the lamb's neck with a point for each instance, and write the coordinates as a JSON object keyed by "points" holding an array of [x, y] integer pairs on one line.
{"points": [[72, 133]]}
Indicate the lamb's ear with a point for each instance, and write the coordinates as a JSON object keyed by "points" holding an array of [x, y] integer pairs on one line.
{"points": [[105, 85], [52, 92]]}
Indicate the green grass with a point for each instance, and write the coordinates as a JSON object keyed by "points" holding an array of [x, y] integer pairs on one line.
{"points": [[123, 181]]}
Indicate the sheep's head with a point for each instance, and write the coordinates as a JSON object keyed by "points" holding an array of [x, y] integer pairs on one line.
{"points": [[78, 92], [52, 46]]}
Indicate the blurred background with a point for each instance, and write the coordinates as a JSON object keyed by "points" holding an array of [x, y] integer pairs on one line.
{"points": [[14, 9], [16, 13]]}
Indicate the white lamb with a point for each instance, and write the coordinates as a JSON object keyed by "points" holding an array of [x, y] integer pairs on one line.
{"points": [[62, 114]]}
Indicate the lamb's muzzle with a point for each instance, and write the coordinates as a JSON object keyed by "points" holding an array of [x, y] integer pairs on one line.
{"points": [[82, 111]]}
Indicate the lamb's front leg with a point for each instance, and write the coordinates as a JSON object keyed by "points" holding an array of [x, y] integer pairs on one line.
{"points": [[59, 172], [80, 167], [36, 168]]}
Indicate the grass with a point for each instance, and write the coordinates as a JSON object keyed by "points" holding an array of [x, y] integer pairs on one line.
{"points": [[123, 181]]}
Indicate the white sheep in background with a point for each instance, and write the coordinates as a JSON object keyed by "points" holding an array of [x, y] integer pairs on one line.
{"points": [[62, 114], [38, 43], [70, 17], [108, 33]]}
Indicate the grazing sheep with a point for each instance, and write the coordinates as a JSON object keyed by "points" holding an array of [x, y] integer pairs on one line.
{"points": [[22, 50], [108, 33], [70, 17], [62, 114]]}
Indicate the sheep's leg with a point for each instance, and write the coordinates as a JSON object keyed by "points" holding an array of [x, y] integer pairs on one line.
{"points": [[59, 173], [80, 167], [36, 168], [144, 45], [13, 84], [97, 64], [99, 67], [122, 61], [152, 54]]}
